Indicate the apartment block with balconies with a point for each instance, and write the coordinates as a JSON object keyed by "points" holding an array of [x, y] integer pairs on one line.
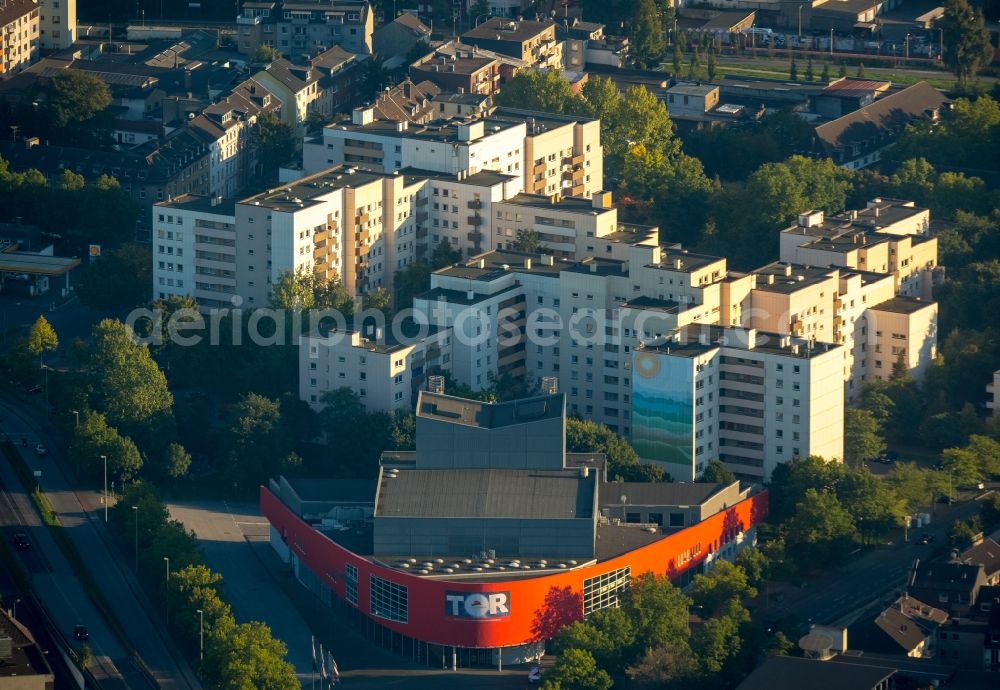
{"points": [[533, 42], [304, 27], [19, 35]]}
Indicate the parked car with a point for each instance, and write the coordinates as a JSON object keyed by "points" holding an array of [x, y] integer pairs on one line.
{"points": [[925, 539], [40, 449], [80, 632], [21, 542], [946, 499], [535, 675]]}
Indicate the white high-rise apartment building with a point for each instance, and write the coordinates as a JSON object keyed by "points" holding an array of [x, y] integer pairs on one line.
{"points": [[58, 23]]}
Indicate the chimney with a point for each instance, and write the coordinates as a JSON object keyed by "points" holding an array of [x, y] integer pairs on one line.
{"points": [[788, 270], [770, 279], [677, 264], [593, 267], [481, 263], [470, 295], [363, 116], [401, 126], [601, 200], [527, 264], [547, 260]]}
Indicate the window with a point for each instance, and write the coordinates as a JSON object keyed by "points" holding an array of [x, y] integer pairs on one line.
{"points": [[676, 519], [388, 600], [605, 591], [351, 583]]}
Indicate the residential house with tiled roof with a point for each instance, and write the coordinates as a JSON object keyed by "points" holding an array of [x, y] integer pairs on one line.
{"points": [[320, 86], [395, 39], [228, 126]]}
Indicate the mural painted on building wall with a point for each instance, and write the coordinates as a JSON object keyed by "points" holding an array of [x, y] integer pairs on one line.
{"points": [[662, 408]]}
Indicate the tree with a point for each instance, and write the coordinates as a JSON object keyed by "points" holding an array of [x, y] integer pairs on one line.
{"points": [[546, 91], [962, 533], [118, 280], [718, 473], [445, 255], [862, 436], [258, 439], [658, 611], [607, 634], [754, 564], [872, 504], [304, 290], [42, 337], [821, 530], [94, 438], [712, 66], [962, 465], [247, 656], [527, 240], [670, 667], [793, 71], [275, 141], [265, 54], [76, 96], [589, 437], [646, 35], [723, 582], [177, 461], [810, 74], [379, 299], [575, 669], [410, 282], [128, 385], [860, 74], [824, 76], [790, 481], [966, 39], [718, 639]]}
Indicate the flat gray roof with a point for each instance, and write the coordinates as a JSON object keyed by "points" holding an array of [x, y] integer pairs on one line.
{"points": [[36, 264], [198, 202], [659, 493], [467, 412], [478, 493], [903, 305]]}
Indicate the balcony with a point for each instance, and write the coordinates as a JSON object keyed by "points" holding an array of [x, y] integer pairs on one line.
{"points": [[421, 201], [577, 159], [361, 219], [421, 232], [363, 236], [577, 190], [248, 21], [540, 168], [421, 216], [475, 205], [797, 328], [475, 220], [421, 248], [476, 237]]}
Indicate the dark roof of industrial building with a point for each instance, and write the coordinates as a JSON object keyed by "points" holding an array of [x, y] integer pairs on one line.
{"points": [[26, 659], [946, 576], [492, 493], [333, 490], [888, 114], [485, 415], [659, 493], [792, 673]]}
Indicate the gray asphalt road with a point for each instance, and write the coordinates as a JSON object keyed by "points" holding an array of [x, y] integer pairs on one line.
{"points": [[58, 587], [85, 529]]}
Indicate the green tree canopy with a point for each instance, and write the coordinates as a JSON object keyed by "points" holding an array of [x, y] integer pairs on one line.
{"points": [[118, 280], [723, 582], [128, 385], [646, 44], [966, 39], [862, 436], [42, 337], [576, 669], [275, 141], [717, 472], [546, 91], [76, 96]]}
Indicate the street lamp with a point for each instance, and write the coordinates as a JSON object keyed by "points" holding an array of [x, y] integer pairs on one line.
{"points": [[800, 20], [135, 515], [166, 559], [105, 459], [14, 614], [941, 44], [76, 414], [201, 635]]}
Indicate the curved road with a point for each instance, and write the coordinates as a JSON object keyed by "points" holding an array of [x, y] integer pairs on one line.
{"points": [[142, 627]]}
